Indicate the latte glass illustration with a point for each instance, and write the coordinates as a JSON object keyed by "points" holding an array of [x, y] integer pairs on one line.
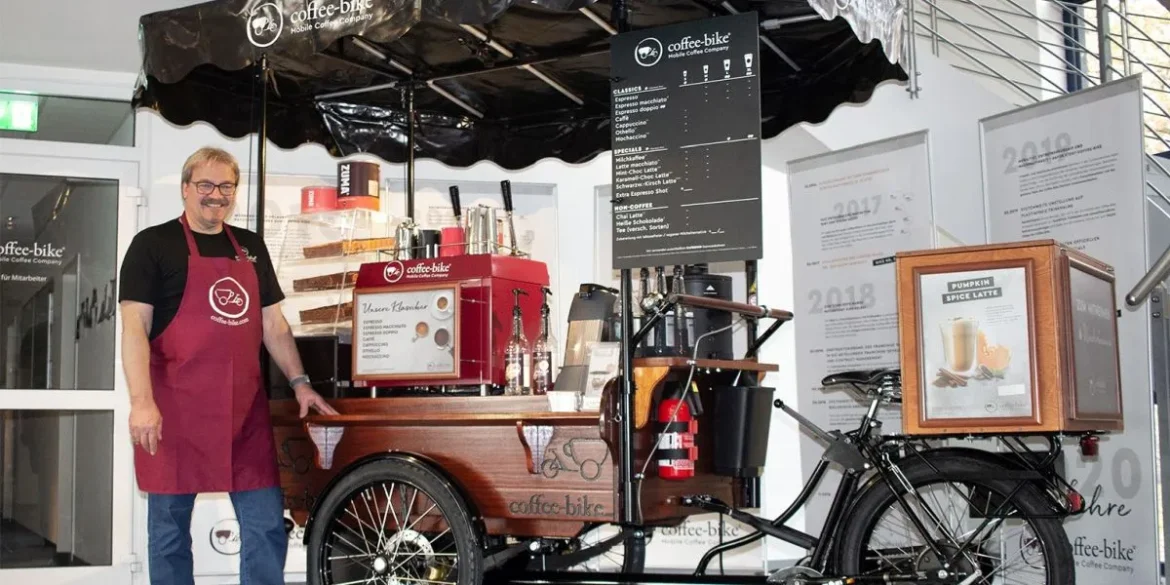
{"points": [[959, 338]]}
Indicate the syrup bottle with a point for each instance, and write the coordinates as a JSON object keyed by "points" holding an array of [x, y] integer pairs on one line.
{"points": [[542, 352], [516, 354]]}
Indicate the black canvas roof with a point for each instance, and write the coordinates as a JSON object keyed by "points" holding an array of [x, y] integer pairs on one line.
{"points": [[510, 81]]}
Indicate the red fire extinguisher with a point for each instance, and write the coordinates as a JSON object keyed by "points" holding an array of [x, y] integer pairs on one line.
{"points": [[677, 452]]}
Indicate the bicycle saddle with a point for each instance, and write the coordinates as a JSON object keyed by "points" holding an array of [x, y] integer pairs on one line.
{"points": [[860, 376]]}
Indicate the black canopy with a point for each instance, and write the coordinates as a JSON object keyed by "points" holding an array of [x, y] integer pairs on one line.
{"points": [[510, 81]]}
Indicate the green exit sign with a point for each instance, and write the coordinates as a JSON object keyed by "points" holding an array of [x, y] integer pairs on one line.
{"points": [[18, 114]]}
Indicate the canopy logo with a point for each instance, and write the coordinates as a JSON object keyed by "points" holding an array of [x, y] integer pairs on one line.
{"points": [[266, 21], [265, 24], [648, 52]]}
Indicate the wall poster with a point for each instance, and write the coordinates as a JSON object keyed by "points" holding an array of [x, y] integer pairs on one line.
{"points": [[1072, 169], [851, 211], [976, 335]]}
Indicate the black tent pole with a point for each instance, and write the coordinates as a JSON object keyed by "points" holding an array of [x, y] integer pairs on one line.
{"points": [[261, 149], [620, 17], [410, 150]]}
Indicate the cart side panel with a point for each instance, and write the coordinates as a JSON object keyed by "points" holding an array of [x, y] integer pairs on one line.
{"points": [[661, 497], [525, 476]]}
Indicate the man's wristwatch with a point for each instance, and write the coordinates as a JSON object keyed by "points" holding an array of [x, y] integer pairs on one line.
{"points": [[301, 379]]}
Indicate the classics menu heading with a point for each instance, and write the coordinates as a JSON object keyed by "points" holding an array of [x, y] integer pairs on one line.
{"points": [[686, 143]]}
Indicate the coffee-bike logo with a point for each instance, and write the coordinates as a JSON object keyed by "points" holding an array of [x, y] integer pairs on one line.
{"points": [[228, 298], [225, 537], [649, 51], [266, 21], [395, 271]]}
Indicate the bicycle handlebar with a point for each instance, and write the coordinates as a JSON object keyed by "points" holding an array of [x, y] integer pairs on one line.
{"points": [[730, 306], [1157, 273]]}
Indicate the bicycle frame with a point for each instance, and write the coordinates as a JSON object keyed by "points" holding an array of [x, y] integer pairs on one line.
{"points": [[858, 452]]}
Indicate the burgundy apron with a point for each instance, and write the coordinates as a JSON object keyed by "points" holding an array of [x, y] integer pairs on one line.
{"points": [[205, 372]]}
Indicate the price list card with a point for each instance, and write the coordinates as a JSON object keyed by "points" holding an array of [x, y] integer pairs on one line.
{"points": [[686, 143]]}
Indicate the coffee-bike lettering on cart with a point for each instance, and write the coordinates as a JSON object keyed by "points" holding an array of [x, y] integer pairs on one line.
{"points": [[558, 505]]}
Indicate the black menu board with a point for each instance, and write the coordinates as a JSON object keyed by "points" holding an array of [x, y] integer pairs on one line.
{"points": [[686, 143]]}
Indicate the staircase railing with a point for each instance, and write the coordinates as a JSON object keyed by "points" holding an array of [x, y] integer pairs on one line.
{"points": [[1031, 50]]}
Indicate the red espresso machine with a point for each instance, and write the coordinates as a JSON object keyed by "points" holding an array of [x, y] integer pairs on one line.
{"points": [[441, 325]]}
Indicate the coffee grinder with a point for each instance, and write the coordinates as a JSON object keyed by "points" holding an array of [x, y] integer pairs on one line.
{"points": [[699, 282], [590, 320]]}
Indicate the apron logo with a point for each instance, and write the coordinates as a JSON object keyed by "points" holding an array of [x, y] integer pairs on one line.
{"points": [[225, 537], [228, 298]]}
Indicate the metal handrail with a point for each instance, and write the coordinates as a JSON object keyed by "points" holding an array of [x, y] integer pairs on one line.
{"points": [[993, 31], [1037, 76], [964, 52], [1006, 54], [1138, 29]]}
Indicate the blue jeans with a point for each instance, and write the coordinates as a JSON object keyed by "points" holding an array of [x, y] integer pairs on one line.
{"points": [[263, 542]]}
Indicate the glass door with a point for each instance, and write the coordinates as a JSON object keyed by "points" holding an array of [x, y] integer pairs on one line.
{"points": [[67, 490]]}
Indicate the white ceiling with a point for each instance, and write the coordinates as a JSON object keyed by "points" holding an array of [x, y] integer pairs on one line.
{"points": [[81, 34]]}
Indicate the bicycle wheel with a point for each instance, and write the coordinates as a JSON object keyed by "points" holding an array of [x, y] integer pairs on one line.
{"points": [[393, 521], [880, 538]]}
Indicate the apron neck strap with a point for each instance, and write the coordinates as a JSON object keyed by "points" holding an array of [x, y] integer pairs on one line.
{"points": [[194, 250]]}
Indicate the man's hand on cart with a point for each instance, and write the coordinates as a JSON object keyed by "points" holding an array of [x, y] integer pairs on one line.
{"points": [[309, 398]]}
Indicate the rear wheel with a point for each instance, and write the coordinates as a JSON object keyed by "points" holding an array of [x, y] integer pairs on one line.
{"points": [[394, 522], [880, 537]]}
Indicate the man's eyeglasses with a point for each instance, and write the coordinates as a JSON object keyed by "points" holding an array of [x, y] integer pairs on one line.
{"points": [[207, 188]]}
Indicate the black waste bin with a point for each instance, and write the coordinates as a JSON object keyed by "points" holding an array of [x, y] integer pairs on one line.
{"points": [[742, 419]]}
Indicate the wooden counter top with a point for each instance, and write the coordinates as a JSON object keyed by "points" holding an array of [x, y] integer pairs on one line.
{"points": [[438, 410], [437, 419]]}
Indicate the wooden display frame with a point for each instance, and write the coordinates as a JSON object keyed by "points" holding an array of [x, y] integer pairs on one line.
{"points": [[1050, 382], [456, 289]]}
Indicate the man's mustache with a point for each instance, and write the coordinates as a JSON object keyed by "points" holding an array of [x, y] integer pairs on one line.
{"points": [[216, 201]]}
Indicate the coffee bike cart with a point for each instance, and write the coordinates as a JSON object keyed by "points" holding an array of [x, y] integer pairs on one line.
{"points": [[504, 485]]}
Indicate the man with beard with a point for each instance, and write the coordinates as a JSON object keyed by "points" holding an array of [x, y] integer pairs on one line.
{"points": [[198, 297]]}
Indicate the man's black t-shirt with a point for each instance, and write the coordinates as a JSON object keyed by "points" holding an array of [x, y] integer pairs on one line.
{"points": [[154, 270]]}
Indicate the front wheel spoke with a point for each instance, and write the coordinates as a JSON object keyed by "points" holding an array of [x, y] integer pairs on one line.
{"points": [[360, 536], [421, 516], [352, 545], [380, 531], [350, 557]]}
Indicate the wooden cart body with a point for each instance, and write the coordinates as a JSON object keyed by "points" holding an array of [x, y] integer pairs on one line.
{"points": [[523, 470]]}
